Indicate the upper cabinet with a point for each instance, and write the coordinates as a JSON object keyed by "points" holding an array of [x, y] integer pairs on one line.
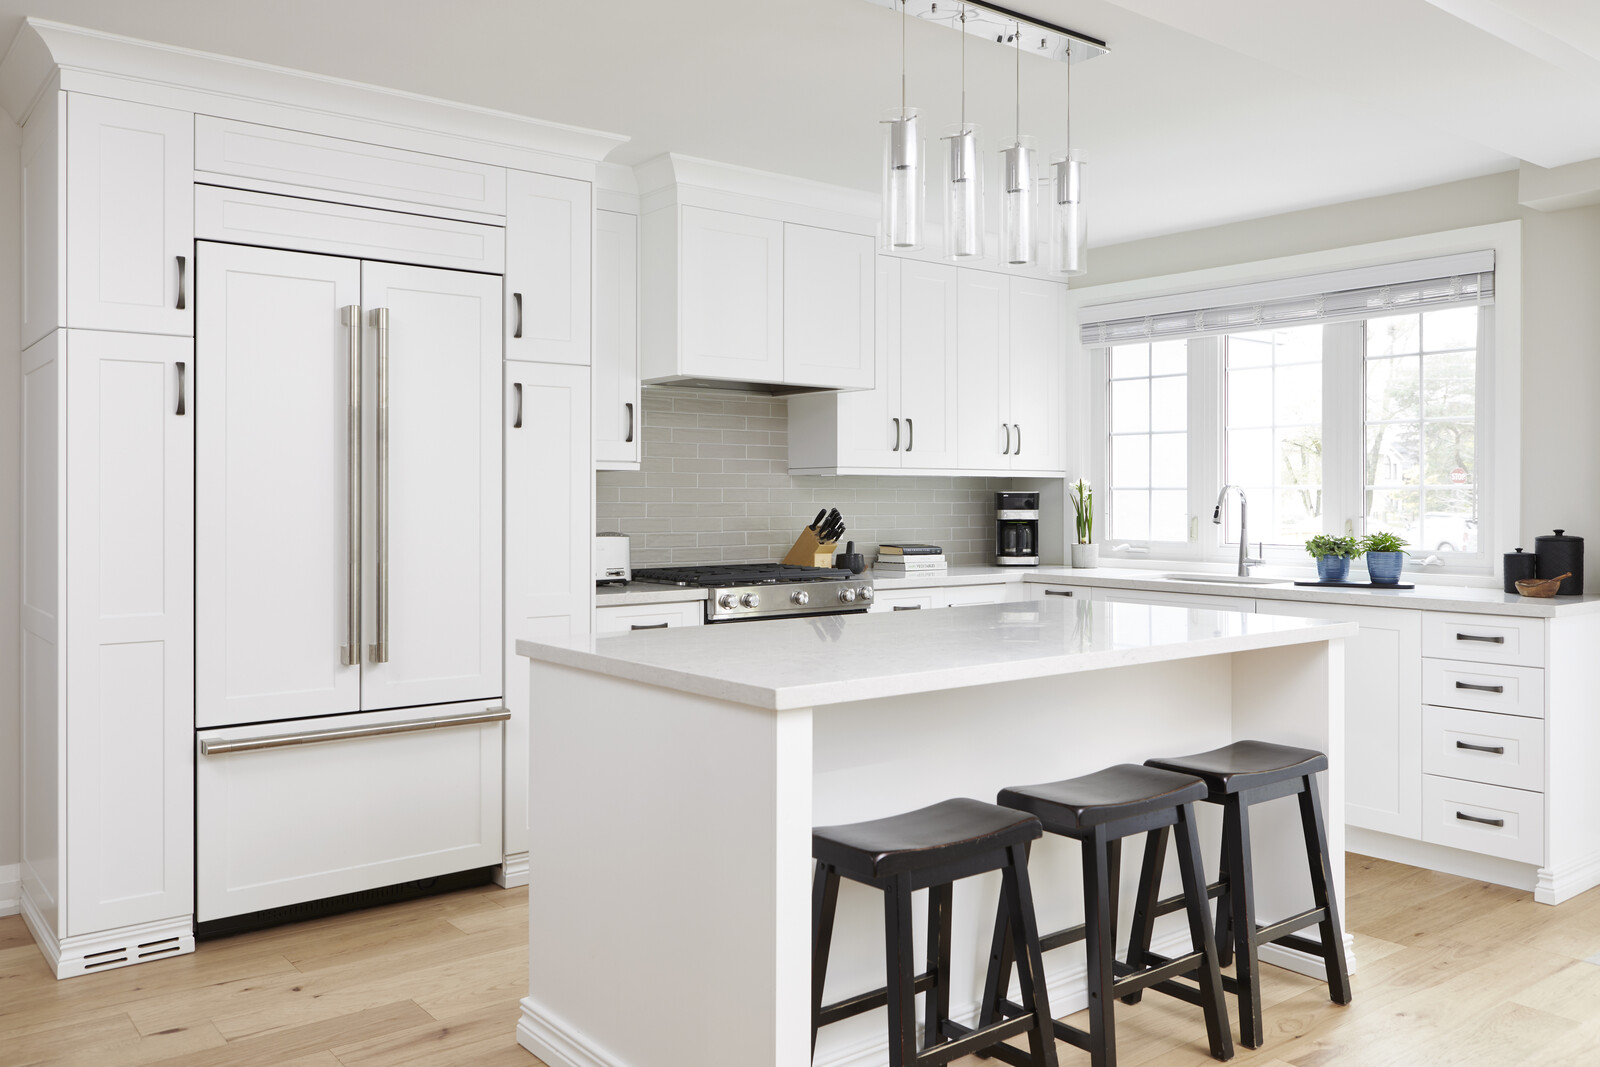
{"points": [[130, 218], [729, 283], [548, 256], [1012, 346], [828, 307], [617, 437]]}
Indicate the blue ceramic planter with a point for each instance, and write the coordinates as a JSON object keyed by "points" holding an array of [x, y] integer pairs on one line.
{"points": [[1333, 568], [1384, 567]]}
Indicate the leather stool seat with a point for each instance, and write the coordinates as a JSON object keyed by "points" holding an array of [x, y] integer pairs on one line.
{"points": [[1126, 790], [928, 837], [1246, 765]]}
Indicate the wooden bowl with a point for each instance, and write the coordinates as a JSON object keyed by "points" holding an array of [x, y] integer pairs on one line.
{"points": [[1542, 587]]}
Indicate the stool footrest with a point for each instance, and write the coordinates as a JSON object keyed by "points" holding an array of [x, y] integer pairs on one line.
{"points": [[1149, 976], [1062, 938], [1070, 1034], [969, 1040], [1283, 928], [1176, 903], [1179, 990], [1301, 944], [850, 1007]]}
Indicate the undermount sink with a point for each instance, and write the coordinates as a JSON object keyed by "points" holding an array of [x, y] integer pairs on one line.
{"points": [[1225, 579]]}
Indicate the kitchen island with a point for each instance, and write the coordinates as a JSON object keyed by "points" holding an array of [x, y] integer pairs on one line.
{"points": [[676, 775]]}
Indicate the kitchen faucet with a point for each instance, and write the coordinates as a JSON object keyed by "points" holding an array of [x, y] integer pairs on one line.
{"points": [[1245, 560]]}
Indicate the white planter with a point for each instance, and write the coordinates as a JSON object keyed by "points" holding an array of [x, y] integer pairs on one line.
{"points": [[1086, 556]]}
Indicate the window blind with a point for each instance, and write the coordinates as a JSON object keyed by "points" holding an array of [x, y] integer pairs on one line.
{"points": [[1340, 296]]}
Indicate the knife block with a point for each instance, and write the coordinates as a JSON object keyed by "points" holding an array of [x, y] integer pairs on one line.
{"points": [[808, 551]]}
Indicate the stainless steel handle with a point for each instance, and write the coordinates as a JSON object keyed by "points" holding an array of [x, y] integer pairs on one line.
{"points": [[183, 283], [1059, 592], [1018, 425], [908, 607], [1481, 688], [628, 440], [1498, 750], [516, 418], [217, 746], [650, 626], [350, 654], [1479, 818], [1006, 426], [1500, 640], [911, 435], [380, 651], [183, 388], [516, 298], [896, 436]]}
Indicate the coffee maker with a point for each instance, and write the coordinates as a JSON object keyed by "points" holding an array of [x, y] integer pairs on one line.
{"points": [[1016, 528]]}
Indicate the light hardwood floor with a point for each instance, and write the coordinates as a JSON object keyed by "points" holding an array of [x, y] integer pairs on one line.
{"points": [[1451, 972]]}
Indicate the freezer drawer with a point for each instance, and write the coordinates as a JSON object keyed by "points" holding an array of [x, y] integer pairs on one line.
{"points": [[291, 812]]}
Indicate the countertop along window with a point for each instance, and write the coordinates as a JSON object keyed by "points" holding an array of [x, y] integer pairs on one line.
{"points": [[1344, 403]]}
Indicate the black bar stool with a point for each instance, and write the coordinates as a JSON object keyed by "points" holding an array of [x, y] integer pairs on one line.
{"points": [[930, 848], [1099, 810], [1238, 776]]}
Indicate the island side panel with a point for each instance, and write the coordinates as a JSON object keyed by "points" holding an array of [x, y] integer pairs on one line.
{"points": [[670, 877]]}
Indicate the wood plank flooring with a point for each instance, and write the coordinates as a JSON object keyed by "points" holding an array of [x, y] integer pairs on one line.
{"points": [[1451, 972]]}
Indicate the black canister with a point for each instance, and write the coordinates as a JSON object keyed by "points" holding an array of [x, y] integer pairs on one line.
{"points": [[1559, 554], [1520, 565]]}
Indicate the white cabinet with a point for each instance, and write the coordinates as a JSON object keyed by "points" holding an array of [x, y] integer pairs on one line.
{"points": [[904, 599], [548, 257], [828, 309], [549, 533], [1040, 591], [626, 618], [862, 429], [984, 370], [1013, 346], [927, 358], [955, 596], [130, 216], [617, 410], [1383, 713], [1036, 375], [1108, 595]]}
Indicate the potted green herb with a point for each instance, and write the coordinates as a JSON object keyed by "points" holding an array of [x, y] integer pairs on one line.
{"points": [[1333, 556], [1385, 556], [1085, 553]]}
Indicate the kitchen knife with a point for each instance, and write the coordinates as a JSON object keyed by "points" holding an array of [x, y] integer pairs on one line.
{"points": [[816, 523]]}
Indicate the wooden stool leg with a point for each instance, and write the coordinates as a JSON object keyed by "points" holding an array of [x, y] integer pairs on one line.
{"points": [[1193, 869], [1017, 898], [1322, 892], [1099, 940], [997, 983], [937, 1007], [1236, 819], [1224, 927], [901, 966], [824, 902], [1144, 908]]}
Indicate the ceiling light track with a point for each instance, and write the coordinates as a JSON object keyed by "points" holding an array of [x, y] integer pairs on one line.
{"points": [[998, 23]]}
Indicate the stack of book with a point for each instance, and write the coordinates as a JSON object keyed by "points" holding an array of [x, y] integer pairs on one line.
{"points": [[905, 561]]}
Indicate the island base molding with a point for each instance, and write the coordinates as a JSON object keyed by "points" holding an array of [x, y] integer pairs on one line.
{"points": [[106, 950], [10, 889], [1549, 885], [513, 871]]}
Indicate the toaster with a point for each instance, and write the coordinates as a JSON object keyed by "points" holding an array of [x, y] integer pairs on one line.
{"points": [[611, 558]]}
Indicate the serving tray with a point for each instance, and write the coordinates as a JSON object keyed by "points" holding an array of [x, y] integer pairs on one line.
{"points": [[1362, 585]]}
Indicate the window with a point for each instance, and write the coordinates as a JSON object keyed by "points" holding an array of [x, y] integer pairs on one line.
{"points": [[1274, 431], [1149, 400]]}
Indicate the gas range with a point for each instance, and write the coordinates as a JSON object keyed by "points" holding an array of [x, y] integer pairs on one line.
{"points": [[743, 592]]}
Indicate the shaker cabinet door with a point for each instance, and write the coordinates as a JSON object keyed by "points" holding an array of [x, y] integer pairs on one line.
{"points": [[731, 312], [548, 254], [617, 437], [1038, 348], [928, 373], [130, 216], [985, 438], [828, 310]]}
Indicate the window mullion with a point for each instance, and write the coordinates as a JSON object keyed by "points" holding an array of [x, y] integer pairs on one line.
{"points": [[1205, 442], [1343, 428]]}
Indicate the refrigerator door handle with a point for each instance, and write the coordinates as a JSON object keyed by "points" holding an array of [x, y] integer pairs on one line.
{"points": [[350, 654], [380, 651]]}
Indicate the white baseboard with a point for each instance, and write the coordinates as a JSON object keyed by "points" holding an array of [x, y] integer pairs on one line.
{"points": [[513, 872], [1557, 885], [1441, 858], [10, 889], [1292, 959], [108, 950], [556, 1043]]}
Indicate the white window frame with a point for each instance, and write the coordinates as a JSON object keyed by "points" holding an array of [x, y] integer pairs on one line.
{"points": [[1499, 403]]}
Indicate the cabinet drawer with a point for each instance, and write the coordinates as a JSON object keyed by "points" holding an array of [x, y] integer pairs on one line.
{"points": [[1490, 819], [907, 600], [311, 816], [1041, 591], [1479, 747], [1483, 687], [957, 595], [625, 618], [1483, 638], [286, 161]]}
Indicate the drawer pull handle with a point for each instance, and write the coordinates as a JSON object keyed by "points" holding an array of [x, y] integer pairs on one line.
{"points": [[1498, 639], [908, 607], [1464, 817], [1498, 750], [1481, 688], [1059, 592], [216, 746], [650, 626]]}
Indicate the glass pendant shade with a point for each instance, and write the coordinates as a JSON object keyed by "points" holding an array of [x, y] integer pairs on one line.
{"points": [[963, 193], [1019, 226], [1069, 225], [903, 188]]}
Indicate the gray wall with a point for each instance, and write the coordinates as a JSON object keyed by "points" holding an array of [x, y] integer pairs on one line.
{"points": [[715, 487], [10, 497]]}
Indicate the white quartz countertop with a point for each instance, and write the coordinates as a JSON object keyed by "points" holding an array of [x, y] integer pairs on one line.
{"points": [[1487, 601], [835, 659], [621, 594]]}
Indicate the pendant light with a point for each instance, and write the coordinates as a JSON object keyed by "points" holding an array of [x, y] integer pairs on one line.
{"points": [[902, 167], [1017, 216], [963, 187], [1069, 227]]}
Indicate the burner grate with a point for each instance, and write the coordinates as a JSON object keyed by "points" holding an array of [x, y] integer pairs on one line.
{"points": [[739, 574]]}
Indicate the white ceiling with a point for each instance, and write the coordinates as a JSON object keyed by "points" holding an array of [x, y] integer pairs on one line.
{"points": [[1203, 113]]}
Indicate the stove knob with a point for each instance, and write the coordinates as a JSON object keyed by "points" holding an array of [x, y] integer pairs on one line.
{"points": [[847, 596], [801, 597], [727, 600], [751, 600], [866, 592]]}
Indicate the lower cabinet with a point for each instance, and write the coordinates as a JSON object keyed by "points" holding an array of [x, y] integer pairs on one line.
{"points": [[1106, 595], [1039, 591], [941, 596], [625, 618], [322, 807]]}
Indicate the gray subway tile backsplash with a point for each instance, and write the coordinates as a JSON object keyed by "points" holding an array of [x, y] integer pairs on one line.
{"points": [[713, 487]]}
